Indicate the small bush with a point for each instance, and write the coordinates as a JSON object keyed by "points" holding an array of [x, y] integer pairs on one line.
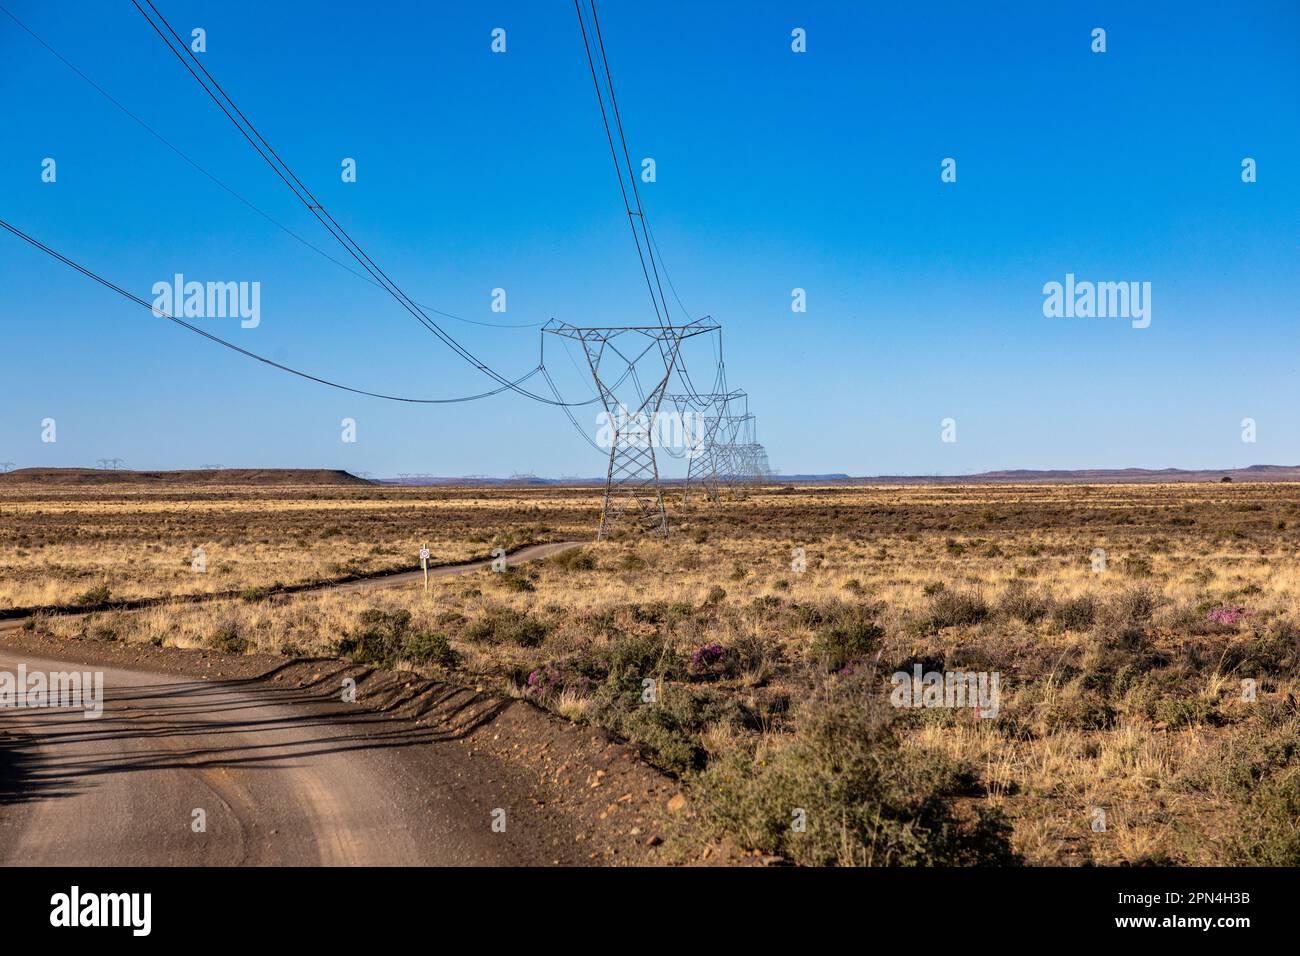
{"points": [[228, 640], [514, 580], [866, 801], [504, 625], [1179, 712], [1126, 620], [426, 647], [1270, 831], [378, 638], [1073, 706], [1275, 647], [99, 594], [670, 729], [1022, 604], [1075, 614], [955, 609], [1137, 567], [849, 640], [632, 562], [577, 559], [631, 659]]}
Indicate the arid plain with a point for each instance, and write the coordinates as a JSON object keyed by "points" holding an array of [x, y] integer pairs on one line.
{"points": [[1145, 641]]}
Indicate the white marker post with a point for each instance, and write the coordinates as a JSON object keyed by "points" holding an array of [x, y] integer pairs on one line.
{"points": [[424, 566]]}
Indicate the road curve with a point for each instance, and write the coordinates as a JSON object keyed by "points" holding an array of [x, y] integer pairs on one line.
{"points": [[533, 552], [282, 775]]}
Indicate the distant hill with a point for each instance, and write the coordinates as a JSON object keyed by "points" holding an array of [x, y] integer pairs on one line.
{"points": [[1103, 476], [534, 481], [1008, 477], [215, 476]]}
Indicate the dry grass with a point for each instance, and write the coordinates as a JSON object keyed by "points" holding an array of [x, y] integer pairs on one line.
{"points": [[59, 543], [1120, 689]]}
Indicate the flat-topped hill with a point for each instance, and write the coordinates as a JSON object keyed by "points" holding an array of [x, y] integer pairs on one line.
{"points": [[215, 476]]}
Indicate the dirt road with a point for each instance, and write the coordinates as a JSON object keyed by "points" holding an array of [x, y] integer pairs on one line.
{"points": [[276, 774]]}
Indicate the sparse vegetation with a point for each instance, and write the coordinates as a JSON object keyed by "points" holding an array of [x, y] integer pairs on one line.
{"points": [[767, 689]]}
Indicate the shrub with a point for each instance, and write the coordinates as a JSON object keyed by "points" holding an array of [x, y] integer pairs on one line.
{"points": [[1228, 615], [1270, 823], [505, 625], [955, 609], [576, 559], [1126, 618], [1262, 777], [426, 647], [573, 677], [228, 640], [714, 660], [1047, 709], [378, 638], [1075, 614], [632, 562], [1022, 604], [1274, 647], [866, 800], [756, 659], [1189, 711], [1137, 567], [850, 639], [670, 729], [99, 594], [514, 580], [631, 659]]}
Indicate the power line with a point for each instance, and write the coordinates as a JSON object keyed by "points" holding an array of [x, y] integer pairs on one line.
{"points": [[235, 348], [655, 285], [279, 225], [618, 168], [264, 149], [631, 174]]}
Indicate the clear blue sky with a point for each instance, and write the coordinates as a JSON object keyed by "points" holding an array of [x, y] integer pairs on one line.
{"points": [[776, 170]]}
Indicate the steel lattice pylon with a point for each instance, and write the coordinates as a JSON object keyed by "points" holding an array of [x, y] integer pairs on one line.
{"points": [[708, 452], [740, 459], [632, 486]]}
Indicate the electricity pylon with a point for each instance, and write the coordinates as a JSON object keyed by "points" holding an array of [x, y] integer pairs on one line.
{"points": [[705, 454], [632, 487]]}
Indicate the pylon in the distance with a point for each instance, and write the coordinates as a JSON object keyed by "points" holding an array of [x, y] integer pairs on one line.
{"points": [[632, 491]]}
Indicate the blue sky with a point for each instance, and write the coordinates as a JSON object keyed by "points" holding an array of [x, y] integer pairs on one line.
{"points": [[776, 170]]}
